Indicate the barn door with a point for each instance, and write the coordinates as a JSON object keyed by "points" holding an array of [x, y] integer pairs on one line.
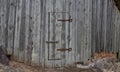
{"points": [[59, 38]]}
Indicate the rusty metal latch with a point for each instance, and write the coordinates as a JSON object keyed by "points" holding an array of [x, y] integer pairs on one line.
{"points": [[55, 59], [52, 41], [65, 49], [63, 20]]}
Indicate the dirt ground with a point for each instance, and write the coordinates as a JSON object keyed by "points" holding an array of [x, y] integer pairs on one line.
{"points": [[20, 67]]}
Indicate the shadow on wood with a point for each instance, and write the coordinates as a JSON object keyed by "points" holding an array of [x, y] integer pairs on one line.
{"points": [[117, 3], [3, 57]]}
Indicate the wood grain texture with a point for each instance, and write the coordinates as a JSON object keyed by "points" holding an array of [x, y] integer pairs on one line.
{"points": [[26, 25]]}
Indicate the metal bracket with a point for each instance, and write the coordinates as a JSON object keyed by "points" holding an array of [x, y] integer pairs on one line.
{"points": [[52, 41], [64, 20], [64, 49], [55, 59]]}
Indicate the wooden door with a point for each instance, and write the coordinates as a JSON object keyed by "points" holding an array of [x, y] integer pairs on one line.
{"points": [[59, 34]]}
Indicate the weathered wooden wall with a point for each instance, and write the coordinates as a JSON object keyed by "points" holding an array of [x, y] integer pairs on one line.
{"points": [[26, 25]]}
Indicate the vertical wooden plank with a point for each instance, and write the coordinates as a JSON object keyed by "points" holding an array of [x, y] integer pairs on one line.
{"points": [[41, 59], [98, 24], [80, 29], [32, 29], [7, 4], [3, 23], [89, 25], [38, 25], [17, 29], [22, 32], [11, 24], [74, 29], [69, 55], [111, 23], [27, 30], [108, 27], [52, 32], [1, 6], [58, 31], [105, 22], [35, 52], [0, 20], [93, 27], [113, 26], [79, 3], [116, 29], [38, 31], [43, 24], [102, 26], [48, 7], [63, 44]]}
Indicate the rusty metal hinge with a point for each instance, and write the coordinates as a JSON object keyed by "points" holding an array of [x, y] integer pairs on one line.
{"points": [[65, 49], [52, 41], [55, 59], [63, 20]]}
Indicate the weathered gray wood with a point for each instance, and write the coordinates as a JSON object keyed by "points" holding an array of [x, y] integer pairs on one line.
{"points": [[11, 26], [17, 29], [3, 57], [43, 34], [79, 30], [27, 30], [35, 53], [69, 56], [93, 27], [22, 31], [26, 25], [3, 23], [36, 36], [0, 22]]}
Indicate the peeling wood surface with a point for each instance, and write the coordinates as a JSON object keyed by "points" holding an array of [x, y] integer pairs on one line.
{"points": [[26, 25]]}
